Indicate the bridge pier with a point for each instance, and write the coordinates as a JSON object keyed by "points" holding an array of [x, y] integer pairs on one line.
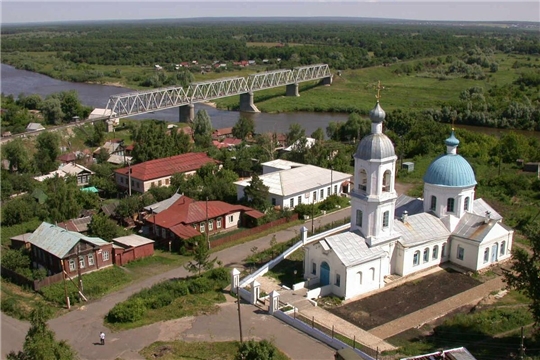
{"points": [[292, 90], [246, 103], [327, 80], [186, 113]]}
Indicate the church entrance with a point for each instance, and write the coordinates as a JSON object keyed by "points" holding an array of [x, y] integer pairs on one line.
{"points": [[325, 273]]}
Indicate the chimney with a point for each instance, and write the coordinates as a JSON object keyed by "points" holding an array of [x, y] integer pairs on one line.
{"points": [[404, 216], [487, 218]]}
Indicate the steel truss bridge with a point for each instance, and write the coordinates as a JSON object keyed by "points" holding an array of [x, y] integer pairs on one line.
{"points": [[141, 102]]}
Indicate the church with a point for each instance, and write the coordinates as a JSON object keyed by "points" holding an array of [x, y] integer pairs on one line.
{"points": [[401, 235]]}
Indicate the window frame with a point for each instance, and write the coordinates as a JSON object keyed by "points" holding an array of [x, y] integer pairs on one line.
{"points": [[359, 219], [338, 280], [91, 260], [433, 204], [486, 255], [82, 262], [105, 255], [460, 253], [291, 202], [466, 203], [202, 227], [218, 222], [416, 258], [71, 264], [450, 205], [502, 250], [435, 252], [386, 219], [425, 256]]}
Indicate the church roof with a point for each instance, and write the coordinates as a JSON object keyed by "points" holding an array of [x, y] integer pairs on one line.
{"points": [[351, 248], [421, 228], [480, 207], [450, 170], [476, 228], [409, 204], [375, 146]]}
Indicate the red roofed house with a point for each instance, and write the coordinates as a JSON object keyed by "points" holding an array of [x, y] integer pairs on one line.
{"points": [[187, 218], [229, 143], [220, 134], [158, 172]]}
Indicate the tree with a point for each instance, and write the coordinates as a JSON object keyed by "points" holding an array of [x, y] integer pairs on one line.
{"points": [[17, 155], [296, 132], [201, 257], [318, 135], [103, 227], [524, 275], [18, 210], [40, 342], [51, 109], [256, 193], [202, 129], [48, 149], [63, 201], [30, 102], [244, 127], [257, 350], [99, 133]]}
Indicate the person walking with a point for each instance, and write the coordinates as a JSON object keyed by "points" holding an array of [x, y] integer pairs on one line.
{"points": [[102, 338]]}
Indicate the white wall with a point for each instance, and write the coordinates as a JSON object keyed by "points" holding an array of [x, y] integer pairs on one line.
{"points": [[373, 273], [406, 257], [232, 223]]}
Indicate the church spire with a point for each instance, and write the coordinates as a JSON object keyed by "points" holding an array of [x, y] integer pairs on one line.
{"points": [[451, 144], [377, 114]]}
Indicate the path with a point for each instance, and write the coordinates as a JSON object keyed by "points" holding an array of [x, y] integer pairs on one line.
{"points": [[437, 310], [81, 327]]}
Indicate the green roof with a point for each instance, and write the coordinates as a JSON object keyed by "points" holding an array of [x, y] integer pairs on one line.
{"points": [[91, 189]]}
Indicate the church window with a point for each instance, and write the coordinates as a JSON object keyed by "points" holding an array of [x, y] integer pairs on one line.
{"points": [[338, 280], [314, 269], [360, 277], [426, 255], [486, 255], [450, 205], [416, 258], [359, 215], [460, 253], [328, 191], [299, 199], [372, 274], [443, 250], [386, 218], [273, 201], [362, 184], [322, 193], [315, 196], [433, 205], [466, 203], [435, 253], [503, 248], [386, 180], [291, 202], [335, 189]]}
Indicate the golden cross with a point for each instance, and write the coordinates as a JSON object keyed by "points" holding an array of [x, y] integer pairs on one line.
{"points": [[379, 88], [453, 119]]}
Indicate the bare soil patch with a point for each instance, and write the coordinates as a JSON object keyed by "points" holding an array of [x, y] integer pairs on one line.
{"points": [[394, 303]]}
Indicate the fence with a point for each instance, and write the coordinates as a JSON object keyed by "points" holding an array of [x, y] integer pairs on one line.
{"points": [[252, 231], [335, 334], [33, 284]]}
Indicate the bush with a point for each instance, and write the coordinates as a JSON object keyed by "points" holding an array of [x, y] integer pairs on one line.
{"points": [[160, 301], [129, 311], [219, 275], [201, 285], [256, 350]]}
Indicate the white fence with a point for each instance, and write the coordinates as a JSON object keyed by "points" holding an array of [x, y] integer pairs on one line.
{"points": [[320, 291]]}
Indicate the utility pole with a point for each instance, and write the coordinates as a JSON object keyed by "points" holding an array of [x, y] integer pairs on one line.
{"points": [[65, 285], [239, 316], [207, 226], [79, 268]]}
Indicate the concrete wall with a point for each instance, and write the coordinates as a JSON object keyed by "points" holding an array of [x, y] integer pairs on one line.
{"points": [[407, 259]]}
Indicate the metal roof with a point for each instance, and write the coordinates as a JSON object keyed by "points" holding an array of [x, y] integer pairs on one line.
{"points": [[163, 205], [409, 204], [452, 354], [132, 240], [450, 170], [480, 207], [476, 228], [375, 146], [421, 228], [58, 241], [74, 169], [281, 164], [299, 180], [351, 248]]}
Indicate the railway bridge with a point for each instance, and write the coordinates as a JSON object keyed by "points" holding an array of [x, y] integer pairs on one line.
{"points": [[142, 102]]}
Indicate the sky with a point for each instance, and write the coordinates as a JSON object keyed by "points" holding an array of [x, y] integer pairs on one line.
{"points": [[16, 11]]}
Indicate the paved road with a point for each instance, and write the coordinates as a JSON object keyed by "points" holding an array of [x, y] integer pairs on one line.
{"points": [[81, 327], [12, 333]]}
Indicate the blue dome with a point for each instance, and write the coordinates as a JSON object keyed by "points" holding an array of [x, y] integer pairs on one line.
{"points": [[452, 140], [450, 170]]}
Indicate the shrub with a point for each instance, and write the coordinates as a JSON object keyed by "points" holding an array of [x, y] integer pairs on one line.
{"points": [[129, 311], [200, 285], [219, 275], [160, 301]]}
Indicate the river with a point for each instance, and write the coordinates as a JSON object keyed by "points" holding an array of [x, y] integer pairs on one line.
{"points": [[15, 82]]}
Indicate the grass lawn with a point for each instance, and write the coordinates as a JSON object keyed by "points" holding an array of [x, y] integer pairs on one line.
{"points": [[195, 350], [19, 302], [284, 272]]}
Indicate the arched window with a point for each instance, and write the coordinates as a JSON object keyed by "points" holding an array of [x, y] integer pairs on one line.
{"points": [[359, 215], [372, 274], [503, 248], [433, 205], [386, 180], [426, 255], [360, 277], [362, 181], [450, 205], [386, 219], [416, 258], [443, 250], [486, 255], [435, 253], [466, 203]]}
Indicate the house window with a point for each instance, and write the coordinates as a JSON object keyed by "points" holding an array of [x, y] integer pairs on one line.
{"points": [[435, 253], [314, 196], [360, 277], [121, 180], [132, 182], [231, 219], [299, 199], [426, 255], [292, 203], [71, 265], [105, 256], [450, 205], [386, 219], [159, 183], [433, 205], [503, 248], [314, 269], [167, 181], [90, 259], [210, 225], [338, 280], [466, 203], [202, 227], [486, 255], [164, 233], [460, 253], [273, 201], [359, 216], [416, 258], [328, 191], [335, 189], [322, 193], [82, 263], [218, 223], [137, 184]]}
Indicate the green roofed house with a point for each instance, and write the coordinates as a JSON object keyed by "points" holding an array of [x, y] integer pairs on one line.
{"points": [[54, 248], [90, 189]]}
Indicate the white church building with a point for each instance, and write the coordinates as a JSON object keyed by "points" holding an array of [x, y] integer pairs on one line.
{"points": [[393, 235]]}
